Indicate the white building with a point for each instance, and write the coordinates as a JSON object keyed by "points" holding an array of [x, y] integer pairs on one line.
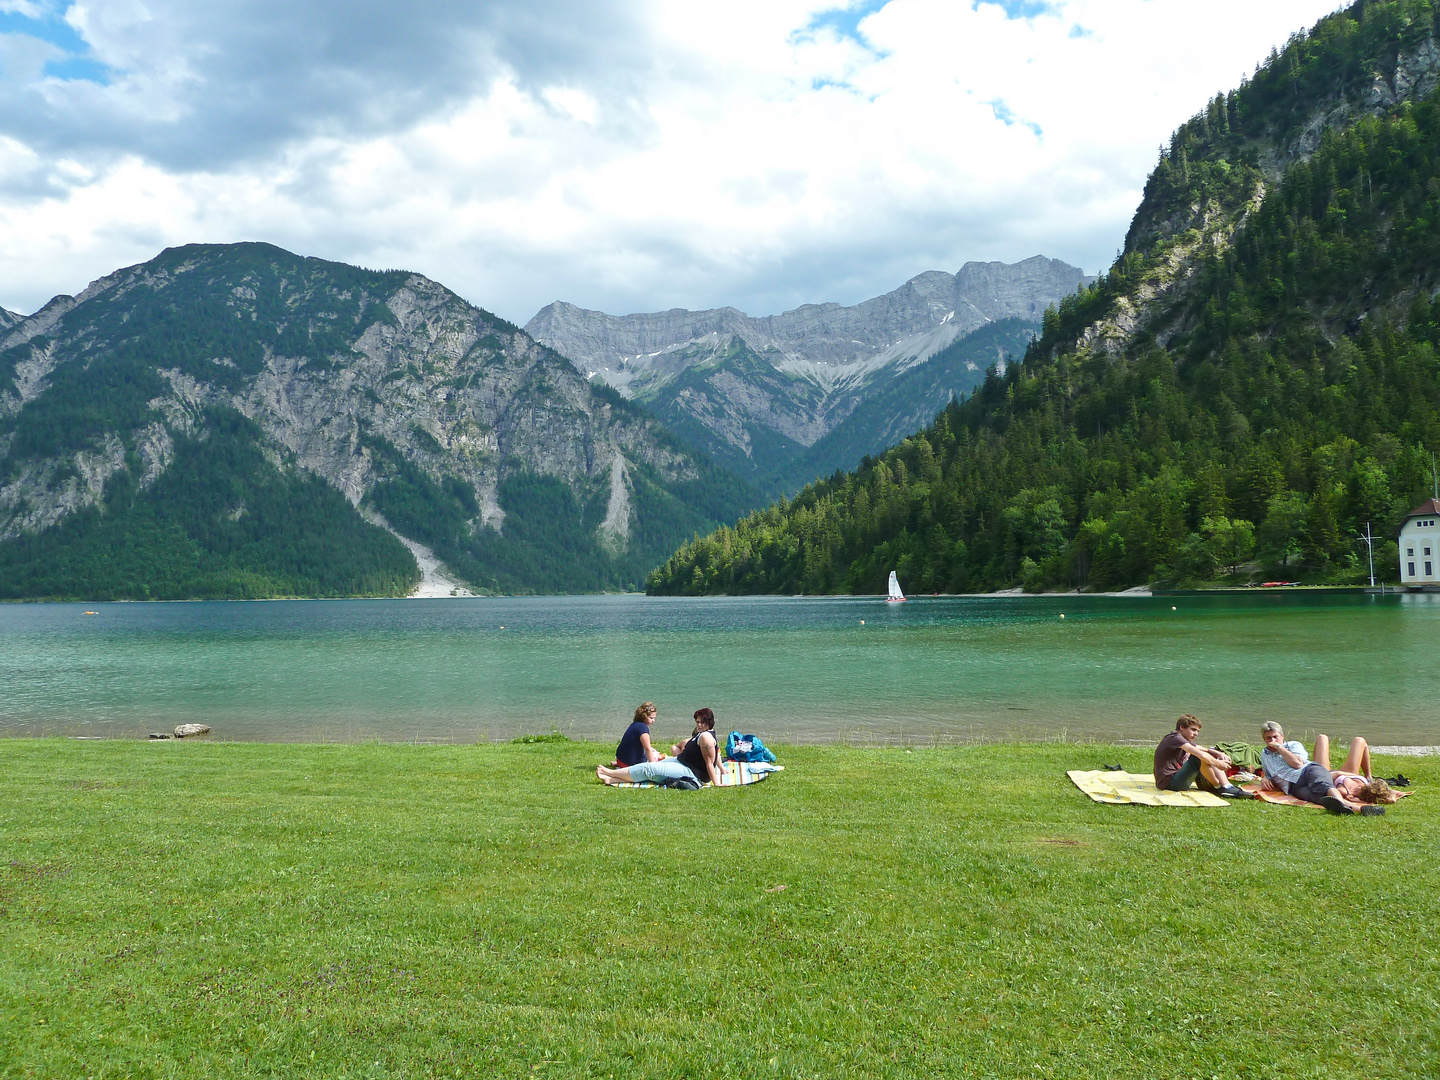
{"points": [[1420, 546]]}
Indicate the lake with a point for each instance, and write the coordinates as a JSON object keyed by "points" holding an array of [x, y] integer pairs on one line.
{"points": [[791, 669]]}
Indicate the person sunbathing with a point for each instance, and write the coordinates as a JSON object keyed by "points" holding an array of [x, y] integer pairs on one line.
{"points": [[1180, 762], [1351, 789], [698, 758]]}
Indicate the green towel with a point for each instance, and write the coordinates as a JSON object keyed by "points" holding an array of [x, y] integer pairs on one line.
{"points": [[1245, 755]]}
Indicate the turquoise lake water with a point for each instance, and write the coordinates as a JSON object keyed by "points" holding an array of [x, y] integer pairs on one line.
{"points": [[791, 669]]}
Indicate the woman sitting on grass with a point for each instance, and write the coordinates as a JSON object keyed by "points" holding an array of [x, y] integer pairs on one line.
{"points": [[698, 757], [635, 743]]}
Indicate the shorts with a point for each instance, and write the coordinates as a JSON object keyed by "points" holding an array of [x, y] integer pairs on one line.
{"points": [[669, 769], [1313, 783]]}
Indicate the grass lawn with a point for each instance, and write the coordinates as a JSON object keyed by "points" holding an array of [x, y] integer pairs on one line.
{"points": [[211, 909]]}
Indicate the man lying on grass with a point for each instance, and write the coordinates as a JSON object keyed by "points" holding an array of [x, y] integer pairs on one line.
{"points": [[1179, 762], [1289, 769]]}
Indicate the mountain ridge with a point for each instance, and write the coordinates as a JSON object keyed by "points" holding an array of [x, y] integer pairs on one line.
{"points": [[467, 435], [814, 337], [755, 393]]}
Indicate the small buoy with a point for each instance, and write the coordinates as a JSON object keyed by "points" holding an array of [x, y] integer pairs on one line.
{"points": [[862, 622], [1062, 615], [502, 628], [1172, 607]]}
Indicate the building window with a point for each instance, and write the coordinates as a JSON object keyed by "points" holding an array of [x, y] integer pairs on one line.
{"points": [[1428, 571], [1410, 572], [1410, 553]]}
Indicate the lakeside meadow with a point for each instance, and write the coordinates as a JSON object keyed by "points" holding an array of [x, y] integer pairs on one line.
{"points": [[391, 910]]}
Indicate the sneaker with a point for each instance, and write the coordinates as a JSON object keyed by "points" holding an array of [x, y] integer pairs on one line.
{"points": [[1230, 791], [1334, 805], [1371, 811]]}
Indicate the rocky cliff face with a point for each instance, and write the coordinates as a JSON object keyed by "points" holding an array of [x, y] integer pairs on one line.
{"points": [[8, 319], [755, 392], [824, 342], [1221, 163], [361, 378]]}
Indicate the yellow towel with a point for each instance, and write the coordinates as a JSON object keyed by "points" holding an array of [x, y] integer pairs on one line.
{"points": [[1132, 788]]}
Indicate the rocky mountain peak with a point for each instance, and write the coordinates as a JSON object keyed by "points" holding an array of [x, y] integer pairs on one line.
{"points": [[451, 425], [757, 392], [813, 337], [1023, 290]]}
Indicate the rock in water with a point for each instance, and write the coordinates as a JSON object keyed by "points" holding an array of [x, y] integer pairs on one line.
{"points": [[161, 735], [184, 731]]}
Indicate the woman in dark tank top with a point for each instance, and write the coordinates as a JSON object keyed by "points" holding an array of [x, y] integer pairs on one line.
{"points": [[701, 753]]}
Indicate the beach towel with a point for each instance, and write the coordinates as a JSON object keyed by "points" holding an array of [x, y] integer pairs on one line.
{"points": [[1137, 789], [1279, 798], [732, 774]]}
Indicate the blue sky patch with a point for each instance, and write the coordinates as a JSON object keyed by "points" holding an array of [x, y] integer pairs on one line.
{"points": [[52, 28], [845, 21], [1018, 9], [1007, 116]]}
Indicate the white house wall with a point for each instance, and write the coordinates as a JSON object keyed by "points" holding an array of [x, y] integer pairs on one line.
{"points": [[1420, 551]]}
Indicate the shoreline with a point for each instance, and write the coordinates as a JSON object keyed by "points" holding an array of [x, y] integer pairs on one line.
{"points": [[1393, 750], [437, 586]]}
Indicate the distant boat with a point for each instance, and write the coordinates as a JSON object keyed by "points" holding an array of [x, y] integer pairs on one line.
{"points": [[896, 596]]}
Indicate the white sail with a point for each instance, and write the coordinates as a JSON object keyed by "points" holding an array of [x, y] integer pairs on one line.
{"points": [[895, 593]]}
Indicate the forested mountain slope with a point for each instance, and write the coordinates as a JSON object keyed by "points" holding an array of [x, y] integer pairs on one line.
{"points": [[1254, 380], [240, 421]]}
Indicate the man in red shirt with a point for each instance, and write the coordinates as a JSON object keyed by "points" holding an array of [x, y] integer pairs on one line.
{"points": [[1180, 762]]}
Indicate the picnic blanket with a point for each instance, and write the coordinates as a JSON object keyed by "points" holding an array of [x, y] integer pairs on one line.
{"points": [[1136, 789], [1279, 798], [732, 774]]}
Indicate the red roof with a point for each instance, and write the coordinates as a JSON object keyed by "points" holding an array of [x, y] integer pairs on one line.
{"points": [[1429, 506]]}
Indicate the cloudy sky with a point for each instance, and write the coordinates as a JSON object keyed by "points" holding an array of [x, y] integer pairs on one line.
{"points": [[626, 155]]}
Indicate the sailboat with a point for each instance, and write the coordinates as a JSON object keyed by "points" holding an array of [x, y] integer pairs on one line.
{"points": [[896, 596]]}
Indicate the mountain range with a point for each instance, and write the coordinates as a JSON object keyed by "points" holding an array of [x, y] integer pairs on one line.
{"points": [[237, 420], [784, 398], [1250, 388]]}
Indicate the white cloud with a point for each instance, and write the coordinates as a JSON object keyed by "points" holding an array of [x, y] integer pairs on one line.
{"points": [[625, 156]]}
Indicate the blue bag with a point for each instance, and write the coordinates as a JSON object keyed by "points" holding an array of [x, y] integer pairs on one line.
{"points": [[740, 747]]}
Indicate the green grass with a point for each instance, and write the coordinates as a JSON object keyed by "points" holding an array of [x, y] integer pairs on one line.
{"points": [[210, 909]]}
